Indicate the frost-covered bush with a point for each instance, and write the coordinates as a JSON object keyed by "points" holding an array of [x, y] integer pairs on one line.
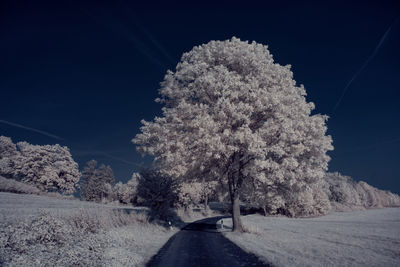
{"points": [[47, 240], [342, 190], [44, 229], [96, 220], [13, 186], [73, 239], [310, 200]]}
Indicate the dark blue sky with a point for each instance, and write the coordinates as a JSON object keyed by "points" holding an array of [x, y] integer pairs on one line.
{"points": [[89, 72]]}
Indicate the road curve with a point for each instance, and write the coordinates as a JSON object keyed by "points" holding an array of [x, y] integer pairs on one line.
{"points": [[200, 244]]}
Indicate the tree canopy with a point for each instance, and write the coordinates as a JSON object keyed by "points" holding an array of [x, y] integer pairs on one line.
{"points": [[232, 113], [47, 167]]}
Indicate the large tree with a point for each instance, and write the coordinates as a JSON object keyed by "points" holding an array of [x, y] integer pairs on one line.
{"points": [[231, 112], [48, 167], [157, 191], [96, 183]]}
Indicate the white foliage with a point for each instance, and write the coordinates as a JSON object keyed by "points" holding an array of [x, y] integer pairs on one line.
{"points": [[229, 109], [346, 194], [7, 147], [189, 194], [342, 189], [293, 201], [126, 193], [8, 151], [48, 167], [13, 186], [194, 193], [97, 183], [311, 200], [45, 231]]}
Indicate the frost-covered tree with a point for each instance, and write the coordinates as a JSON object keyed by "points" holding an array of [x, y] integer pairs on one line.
{"points": [[189, 194], [347, 194], [97, 183], [106, 174], [231, 112], [126, 193], [342, 189], [209, 191], [8, 152], [309, 200], [157, 191], [87, 184], [7, 147], [48, 167], [268, 198], [194, 193]]}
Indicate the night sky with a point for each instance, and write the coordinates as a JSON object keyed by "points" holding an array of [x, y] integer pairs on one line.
{"points": [[85, 74]]}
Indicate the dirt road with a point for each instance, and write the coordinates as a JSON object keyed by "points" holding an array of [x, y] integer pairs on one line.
{"points": [[200, 244]]}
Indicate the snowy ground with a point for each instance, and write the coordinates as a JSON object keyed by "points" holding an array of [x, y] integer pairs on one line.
{"points": [[44, 231], [17, 207], [357, 238]]}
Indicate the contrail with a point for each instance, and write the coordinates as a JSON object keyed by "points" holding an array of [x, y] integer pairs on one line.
{"points": [[32, 129], [119, 29], [102, 153], [119, 159], [139, 45], [363, 66], [152, 39], [157, 44]]}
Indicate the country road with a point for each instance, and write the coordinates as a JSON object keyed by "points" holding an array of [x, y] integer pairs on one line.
{"points": [[200, 244]]}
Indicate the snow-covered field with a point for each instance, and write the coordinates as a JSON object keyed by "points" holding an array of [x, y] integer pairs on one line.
{"points": [[44, 231], [357, 238]]}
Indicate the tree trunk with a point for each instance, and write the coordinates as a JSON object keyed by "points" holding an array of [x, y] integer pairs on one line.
{"points": [[265, 211], [206, 203], [236, 220], [234, 183], [203, 184]]}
